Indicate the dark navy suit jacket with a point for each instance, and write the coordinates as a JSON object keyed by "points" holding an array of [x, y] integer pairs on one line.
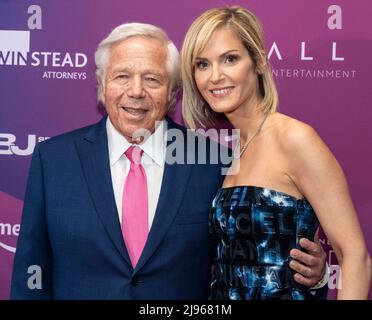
{"points": [[70, 227]]}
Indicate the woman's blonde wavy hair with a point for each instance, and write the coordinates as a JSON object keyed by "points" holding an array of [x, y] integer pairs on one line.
{"points": [[196, 112]]}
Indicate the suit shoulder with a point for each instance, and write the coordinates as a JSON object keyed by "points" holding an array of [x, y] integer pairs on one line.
{"points": [[67, 138]]}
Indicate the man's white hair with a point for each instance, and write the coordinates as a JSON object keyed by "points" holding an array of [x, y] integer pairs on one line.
{"points": [[127, 30]]}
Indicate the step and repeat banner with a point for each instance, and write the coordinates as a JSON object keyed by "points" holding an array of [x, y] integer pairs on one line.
{"points": [[320, 51]]}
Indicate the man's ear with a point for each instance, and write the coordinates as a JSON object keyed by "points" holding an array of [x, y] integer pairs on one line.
{"points": [[101, 90]]}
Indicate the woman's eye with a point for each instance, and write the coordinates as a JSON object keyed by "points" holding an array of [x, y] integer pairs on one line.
{"points": [[231, 58], [201, 65]]}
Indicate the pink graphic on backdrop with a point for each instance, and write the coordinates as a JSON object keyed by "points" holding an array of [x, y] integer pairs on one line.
{"points": [[10, 217]]}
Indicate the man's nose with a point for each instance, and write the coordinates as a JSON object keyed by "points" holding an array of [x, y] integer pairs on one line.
{"points": [[136, 89]]}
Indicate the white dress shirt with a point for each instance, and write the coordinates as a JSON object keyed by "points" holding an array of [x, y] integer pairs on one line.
{"points": [[153, 160]]}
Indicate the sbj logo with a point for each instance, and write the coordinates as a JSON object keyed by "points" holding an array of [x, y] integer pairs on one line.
{"points": [[8, 144], [15, 51]]}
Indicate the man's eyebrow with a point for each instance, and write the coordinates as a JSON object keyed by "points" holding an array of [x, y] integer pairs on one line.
{"points": [[146, 71], [153, 72], [120, 69]]}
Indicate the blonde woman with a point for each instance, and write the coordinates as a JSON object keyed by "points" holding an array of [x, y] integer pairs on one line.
{"points": [[288, 180]]}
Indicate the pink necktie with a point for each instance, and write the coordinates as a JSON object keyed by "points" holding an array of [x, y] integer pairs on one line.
{"points": [[135, 206]]}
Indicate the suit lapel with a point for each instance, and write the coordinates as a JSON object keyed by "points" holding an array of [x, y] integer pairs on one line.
{"points": [[93, 154], [175, 180]]}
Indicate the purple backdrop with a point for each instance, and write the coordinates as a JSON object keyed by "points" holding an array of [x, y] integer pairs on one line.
{"points": [[44, 91]]}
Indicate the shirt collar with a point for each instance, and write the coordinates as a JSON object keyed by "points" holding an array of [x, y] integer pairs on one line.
{"points": [[154, 147]]}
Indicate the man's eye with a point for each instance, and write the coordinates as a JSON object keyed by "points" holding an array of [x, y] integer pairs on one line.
{"points": [[201, 65], [231, 58], [122, 76], [151, 79]]}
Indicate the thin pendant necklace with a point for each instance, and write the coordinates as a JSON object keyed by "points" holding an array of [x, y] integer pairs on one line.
{"points": [[242, 150]]}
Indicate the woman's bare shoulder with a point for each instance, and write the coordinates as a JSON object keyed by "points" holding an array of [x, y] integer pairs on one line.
{"points": [[294, 133]]}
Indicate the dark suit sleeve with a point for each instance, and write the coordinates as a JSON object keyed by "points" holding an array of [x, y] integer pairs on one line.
{"points": [[33, 247], [321, 293]]}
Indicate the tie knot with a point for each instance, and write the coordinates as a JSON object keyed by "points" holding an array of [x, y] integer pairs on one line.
{"points": [[134, 154]]}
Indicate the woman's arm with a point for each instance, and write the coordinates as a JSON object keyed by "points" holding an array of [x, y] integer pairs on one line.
{"points": [[319, 177]]}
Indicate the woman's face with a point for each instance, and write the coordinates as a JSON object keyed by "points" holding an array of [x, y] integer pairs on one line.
{"points": [[225, 73]]}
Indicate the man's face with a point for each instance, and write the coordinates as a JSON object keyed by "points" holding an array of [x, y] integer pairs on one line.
{"points": [[136, 85]]}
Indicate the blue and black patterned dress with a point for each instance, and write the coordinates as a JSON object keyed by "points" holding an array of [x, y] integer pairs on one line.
{"points": [[252, 230]]}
